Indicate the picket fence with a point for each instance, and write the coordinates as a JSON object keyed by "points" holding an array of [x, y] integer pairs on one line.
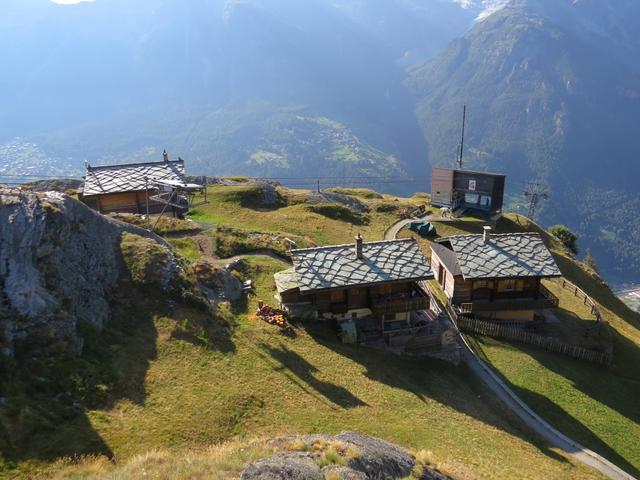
{"points": [[490, 329]]}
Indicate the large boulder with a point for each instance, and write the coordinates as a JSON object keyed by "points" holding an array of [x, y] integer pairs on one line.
{"points": [[59, 260], [292, 466], [378, 459], [347, 456], [220, 283]]}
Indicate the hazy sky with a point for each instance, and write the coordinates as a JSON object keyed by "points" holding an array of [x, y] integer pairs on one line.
{"points": [[70, 2]]}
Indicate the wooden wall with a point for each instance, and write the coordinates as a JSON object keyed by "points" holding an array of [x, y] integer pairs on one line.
{"points": [[448, 186], [127, 202], [348, 298], [441, 186], [455, 287]]}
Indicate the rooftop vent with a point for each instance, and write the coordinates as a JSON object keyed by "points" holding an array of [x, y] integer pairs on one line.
{"points": [[486, 235], [359, 247]]}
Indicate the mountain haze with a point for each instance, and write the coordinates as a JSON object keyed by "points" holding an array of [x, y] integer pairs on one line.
{"points": [[340, 88], [552, 90]]}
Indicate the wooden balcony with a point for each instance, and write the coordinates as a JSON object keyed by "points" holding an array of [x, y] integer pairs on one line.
{"points": [[544, 299], [392, 304]]}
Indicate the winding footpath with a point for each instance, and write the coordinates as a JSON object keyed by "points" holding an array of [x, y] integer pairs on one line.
{"points": [[521, 409]]}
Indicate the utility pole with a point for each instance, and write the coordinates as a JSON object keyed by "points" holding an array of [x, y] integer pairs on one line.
{"points": [[146, 190], [318, 186], [464, 119], [535, 192]]}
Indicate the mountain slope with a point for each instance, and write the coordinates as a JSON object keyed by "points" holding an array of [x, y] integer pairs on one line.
{"points": [[552, 94], [164, 376]]}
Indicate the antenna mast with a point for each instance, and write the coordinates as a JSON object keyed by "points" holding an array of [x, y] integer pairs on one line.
{"points": [[464, 119], [535, 192]]}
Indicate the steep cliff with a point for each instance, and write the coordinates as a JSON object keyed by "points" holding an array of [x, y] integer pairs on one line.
{"points": [[59, 261]]}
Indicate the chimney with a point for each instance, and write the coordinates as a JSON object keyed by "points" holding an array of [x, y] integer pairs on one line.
{"points": [[486, 235], [165, 156], [359, 247]]}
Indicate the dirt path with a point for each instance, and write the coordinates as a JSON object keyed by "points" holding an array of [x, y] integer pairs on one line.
{"points": [[521, 409], [256, 253]]}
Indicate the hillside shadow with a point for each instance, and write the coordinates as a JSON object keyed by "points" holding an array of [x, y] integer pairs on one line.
{"points": [[205, 329], [427, 378], [608, 386], [52, 420], [571, 427], [303, 373], [599, 383]]}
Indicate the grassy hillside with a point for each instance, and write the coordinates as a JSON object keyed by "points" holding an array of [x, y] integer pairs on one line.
{"points": [[594, 405], [167, 383]]}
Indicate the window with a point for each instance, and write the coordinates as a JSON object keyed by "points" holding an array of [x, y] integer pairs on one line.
{"points": [[337, 296], [477, 284], [471, 198], [508, 285]]}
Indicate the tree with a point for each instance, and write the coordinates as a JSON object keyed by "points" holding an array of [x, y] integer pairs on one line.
{"points": [[566, 236], [590, 261]]}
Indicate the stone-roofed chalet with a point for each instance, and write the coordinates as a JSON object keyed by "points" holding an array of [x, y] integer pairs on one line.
{"points": [[495, 275], [380, 262], [128, 187], [374, 286]]}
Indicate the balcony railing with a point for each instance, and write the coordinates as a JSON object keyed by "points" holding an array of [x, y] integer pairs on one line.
{"points": [[391, 304], [544, 299]]}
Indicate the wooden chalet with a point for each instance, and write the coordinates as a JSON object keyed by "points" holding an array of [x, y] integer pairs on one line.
{"points": [[373, 289], [149, 187], [495, 276], [467, 190]]}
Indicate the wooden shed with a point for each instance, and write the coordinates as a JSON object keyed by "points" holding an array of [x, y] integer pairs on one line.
{"points": [[466, 189], [136, 187]]}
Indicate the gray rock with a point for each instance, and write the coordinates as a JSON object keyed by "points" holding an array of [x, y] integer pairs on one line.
{"points": [[219, 283], [284, 466], [378, 459], [373, 459], [57, 185], [343, 473], [347, 201], [58, 262], [430, 474]]}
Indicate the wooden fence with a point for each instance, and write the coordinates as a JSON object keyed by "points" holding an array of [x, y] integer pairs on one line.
{"points": [[490, 329], [586, 299]]}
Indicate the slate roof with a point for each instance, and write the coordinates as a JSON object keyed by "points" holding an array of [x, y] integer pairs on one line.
{"points": [[448, 258], [503, 256], [337, 266], [130, 177], [286, 280]]}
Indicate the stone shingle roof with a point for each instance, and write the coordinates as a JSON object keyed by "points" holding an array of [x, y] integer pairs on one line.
{"points": [[286, 280], [337, 266], [130, 177], [448, 258], [503, 256]]}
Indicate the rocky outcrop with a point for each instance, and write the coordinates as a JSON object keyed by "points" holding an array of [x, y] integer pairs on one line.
{"points": [[347, 456], [58, 262], [292, 466], [61, 185], [219, 283]]}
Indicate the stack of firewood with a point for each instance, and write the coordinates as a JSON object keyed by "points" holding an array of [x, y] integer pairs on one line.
{"points": [[271, 315]]}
